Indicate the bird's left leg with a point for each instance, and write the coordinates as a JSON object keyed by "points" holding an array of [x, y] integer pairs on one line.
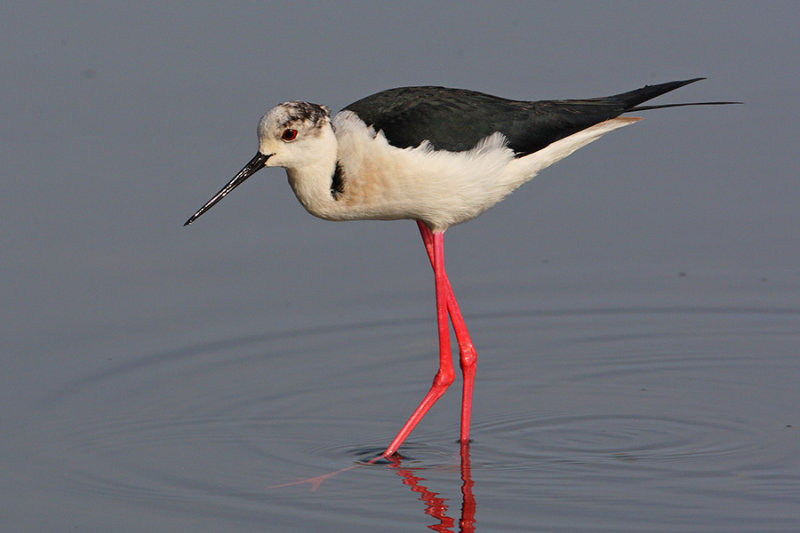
{"points": [[467, 355]]}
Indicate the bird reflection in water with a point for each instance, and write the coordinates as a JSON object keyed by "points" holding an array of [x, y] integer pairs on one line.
{"points": [[436, 506]]}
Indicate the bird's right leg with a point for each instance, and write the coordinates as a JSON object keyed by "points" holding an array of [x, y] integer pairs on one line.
{"points": [[444, 377], [467, 354]]}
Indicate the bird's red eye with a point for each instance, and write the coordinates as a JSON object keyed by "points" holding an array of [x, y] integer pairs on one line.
{"points": [[289, 135]]}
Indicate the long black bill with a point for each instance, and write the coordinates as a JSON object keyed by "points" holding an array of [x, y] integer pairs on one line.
{"points": [[255, 164]]}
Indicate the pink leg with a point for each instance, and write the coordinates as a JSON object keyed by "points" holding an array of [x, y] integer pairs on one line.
{"points": [[444, 377], [467, 355], [445, 301]]}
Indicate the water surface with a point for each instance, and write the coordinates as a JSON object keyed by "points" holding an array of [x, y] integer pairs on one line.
{"points": [[637, 418]]}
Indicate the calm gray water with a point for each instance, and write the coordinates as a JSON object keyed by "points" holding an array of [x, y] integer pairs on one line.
{"points": [[636, 309]]}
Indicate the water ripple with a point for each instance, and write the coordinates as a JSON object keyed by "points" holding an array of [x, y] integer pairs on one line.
{"points": [[619, 396]]}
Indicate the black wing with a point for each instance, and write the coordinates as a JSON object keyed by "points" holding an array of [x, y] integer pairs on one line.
{"points": [[456, 119]]}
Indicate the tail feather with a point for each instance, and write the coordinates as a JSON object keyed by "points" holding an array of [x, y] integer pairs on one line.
{"points": [[648, 107], [632, 99]]}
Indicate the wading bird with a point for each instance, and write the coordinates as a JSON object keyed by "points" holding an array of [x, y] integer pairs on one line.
{"points": [[435, 155]]}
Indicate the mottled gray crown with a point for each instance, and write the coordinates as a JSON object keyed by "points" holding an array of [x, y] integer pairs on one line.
{"points": [[306, 112]]}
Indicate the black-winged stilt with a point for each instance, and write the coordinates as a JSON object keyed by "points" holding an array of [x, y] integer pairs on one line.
{"points": [[435, 155]]}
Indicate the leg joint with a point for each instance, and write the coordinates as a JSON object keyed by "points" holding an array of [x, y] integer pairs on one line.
{"points": [[442, 380], [468, 357]]}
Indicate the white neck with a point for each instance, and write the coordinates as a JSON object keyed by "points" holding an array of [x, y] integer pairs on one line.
{"points": [[311, 179]]}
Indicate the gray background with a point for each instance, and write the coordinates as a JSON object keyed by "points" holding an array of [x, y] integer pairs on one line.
{"points": [[120, 119]]}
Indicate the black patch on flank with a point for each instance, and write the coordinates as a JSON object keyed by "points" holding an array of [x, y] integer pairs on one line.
{"points": [[337, 182]]}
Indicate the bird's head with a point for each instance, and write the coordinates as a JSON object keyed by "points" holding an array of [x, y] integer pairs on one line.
{"points": [[292, 135], [295, 134]]}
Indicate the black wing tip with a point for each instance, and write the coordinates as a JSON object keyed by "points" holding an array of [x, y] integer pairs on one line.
{"points": [[671, 86], [680, 83], [632, 99], [687, 104]]}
